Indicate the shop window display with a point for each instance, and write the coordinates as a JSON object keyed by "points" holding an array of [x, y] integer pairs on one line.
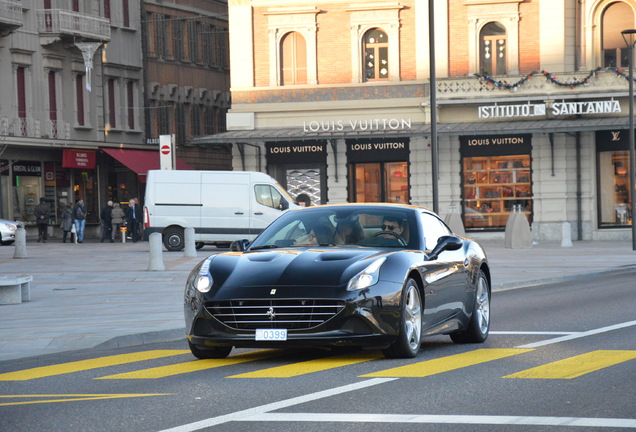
{"points": [[493, 185], [614, 187]]}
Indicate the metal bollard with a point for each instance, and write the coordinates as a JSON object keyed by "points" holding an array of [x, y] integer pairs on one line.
{"points": [[190, 250], [20, 244], [156, 259], [123, 230], [566, 235]]}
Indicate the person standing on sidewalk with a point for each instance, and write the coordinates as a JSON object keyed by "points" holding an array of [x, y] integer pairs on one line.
{"points": [[117, 216], [42, 213], [79, 214], [134, 219], [107, 221], [67, 221]]}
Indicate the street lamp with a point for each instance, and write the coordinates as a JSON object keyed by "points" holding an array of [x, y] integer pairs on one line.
{"points": [[630, 39]]}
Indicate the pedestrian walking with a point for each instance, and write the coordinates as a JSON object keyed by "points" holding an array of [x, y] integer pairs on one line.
{"points": [[133, 219], [117, 216], [42, 213], [67, 222], [107, 221], [79, 216]]}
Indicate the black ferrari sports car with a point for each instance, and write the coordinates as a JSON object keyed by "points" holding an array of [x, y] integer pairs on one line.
{"points": [[378, 276]]}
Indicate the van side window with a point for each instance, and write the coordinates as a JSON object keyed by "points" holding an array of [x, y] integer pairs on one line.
{"points": [[268, 196]]}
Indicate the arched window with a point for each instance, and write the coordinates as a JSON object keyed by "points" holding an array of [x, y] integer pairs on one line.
{"points": [[617, 17], [376, 55], [293, 59], [492, 49]]}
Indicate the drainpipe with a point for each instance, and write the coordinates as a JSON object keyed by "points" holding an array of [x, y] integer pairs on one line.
{"points": [[579, 199]]}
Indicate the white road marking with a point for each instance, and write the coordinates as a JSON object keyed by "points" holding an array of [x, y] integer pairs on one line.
{"points": [[531, 333], [262, 413], [446, 419], [240, 415], [579, 335]]}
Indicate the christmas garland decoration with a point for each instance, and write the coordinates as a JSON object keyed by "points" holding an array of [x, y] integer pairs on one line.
{"points": [[550, 77]]}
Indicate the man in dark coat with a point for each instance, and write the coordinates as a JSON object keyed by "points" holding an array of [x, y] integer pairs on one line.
{"points": [[42, 213], [134, 219], [107, 219]]}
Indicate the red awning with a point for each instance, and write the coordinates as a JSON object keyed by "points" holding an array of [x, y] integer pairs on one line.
{"points": [[140, 161]]}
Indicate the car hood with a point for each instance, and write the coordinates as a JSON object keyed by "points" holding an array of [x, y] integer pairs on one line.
{"points": [[291, 267]]}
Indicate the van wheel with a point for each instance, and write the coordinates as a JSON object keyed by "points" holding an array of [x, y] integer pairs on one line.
{"points": [[173, 239]]}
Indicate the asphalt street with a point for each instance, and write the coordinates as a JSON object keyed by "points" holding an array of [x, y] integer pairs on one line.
{"points": [[102, 294]]}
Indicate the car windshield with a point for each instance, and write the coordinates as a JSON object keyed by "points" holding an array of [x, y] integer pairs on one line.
{"points": [[336, 226]]}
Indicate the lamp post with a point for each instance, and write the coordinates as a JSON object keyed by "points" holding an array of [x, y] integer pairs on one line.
{"points": [[630, 39]]}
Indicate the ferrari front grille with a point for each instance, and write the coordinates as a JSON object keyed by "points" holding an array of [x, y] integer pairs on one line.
{"points": [[292, 314]]}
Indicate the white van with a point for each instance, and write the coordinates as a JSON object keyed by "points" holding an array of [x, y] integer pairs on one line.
{"points": [[221, 206]]}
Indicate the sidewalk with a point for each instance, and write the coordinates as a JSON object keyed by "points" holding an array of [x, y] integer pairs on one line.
{"points": [[90, 294]]}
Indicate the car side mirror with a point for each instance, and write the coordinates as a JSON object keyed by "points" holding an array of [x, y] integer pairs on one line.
{"points": [[239, 245], [445, 243], [284, 205]]}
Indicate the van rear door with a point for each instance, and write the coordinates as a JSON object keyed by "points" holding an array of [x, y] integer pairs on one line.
{"points": [[226, 206]]}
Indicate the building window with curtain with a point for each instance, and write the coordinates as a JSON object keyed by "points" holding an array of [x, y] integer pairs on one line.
{"points": [[130, 104], [293, 59], [112, 104], [376, 55], [492, 49], [614, 52], [79, 100]]}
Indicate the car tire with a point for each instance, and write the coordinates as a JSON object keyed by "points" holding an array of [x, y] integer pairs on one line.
{"points": [[218, 352], [408, 341], [173, 239], [479, 324]]}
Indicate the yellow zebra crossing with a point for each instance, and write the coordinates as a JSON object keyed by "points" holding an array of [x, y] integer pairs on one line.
{"points": [[567, 368]]}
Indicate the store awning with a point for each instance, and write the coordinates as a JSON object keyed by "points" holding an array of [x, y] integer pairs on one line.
{"points": [[453, 129], [140, 161]]}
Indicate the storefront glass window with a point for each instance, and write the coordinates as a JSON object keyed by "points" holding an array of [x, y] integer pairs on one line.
{"points": [[381, 182], [492, 186], [614, 187], [85, 187]]}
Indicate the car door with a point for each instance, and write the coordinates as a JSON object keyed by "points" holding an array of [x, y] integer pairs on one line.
{"points": [[446, 276]]}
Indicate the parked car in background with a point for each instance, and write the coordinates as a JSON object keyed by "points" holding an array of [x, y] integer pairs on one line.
{"points": [[378, 276], [7, 231]]}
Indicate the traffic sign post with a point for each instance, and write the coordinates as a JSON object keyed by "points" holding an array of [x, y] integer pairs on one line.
{"points": [[166, 152]]}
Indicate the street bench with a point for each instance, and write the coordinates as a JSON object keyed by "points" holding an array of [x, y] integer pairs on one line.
{"points": [[15, 289]]}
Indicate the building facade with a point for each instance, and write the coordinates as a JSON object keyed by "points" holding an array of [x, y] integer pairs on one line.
{"points": [[531, 107], [80, 96]]}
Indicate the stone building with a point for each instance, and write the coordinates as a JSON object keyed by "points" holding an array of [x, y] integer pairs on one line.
{"points": [[531, 107]]}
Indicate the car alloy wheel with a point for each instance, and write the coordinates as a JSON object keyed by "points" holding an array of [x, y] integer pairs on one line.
{"points": [[408, 342], [479, 324]]}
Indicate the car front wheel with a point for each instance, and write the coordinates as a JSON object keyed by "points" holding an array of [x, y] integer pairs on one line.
{"points": [[479, 324], [211, 352], [408, 342]]}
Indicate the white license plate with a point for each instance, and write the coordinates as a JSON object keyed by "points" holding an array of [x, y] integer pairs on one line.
{"points": [[271, 334]]}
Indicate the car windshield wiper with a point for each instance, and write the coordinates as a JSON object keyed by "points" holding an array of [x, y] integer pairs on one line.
{"points": [[265, 247]]}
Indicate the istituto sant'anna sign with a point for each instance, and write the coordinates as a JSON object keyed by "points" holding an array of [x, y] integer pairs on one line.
{"points": [[557, 108]]}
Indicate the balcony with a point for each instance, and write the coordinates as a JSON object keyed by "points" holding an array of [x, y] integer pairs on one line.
{"points": [[10, 16], [60, 24], [58, 129], [24, 127], [602, 83]]}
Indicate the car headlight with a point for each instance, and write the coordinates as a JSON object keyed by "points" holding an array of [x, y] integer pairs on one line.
{"points": [[11, 227], [367, 277], [204, 282]]}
